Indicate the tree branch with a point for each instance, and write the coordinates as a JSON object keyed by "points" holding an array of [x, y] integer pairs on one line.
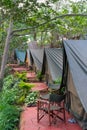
{"points": [[61, 16], [20, 35]]}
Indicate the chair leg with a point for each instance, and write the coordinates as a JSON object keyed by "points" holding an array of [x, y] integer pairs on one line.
{"points": [[64, 115], [39, 115], [49, 114], [38, 111]]}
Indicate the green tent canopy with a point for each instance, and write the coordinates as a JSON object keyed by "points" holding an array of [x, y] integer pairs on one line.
{"points": [[75, 78], [19, 55]]}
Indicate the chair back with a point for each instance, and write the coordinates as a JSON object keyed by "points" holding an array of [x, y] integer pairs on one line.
{"points": [[56, 98]]}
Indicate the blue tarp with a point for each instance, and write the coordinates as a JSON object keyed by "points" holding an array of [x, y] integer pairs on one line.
{"points": [[20, 55]]}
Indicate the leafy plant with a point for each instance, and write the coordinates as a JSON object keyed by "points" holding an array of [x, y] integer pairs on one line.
{"points": [[9, 117], [8, 81], [24, 89], [31, 98], [10, 90], [8, 70], [58, 80], [9, 112], [62, 90], [39, 75], [9, 96], [15, 90], [21, 76], [25, 85]]}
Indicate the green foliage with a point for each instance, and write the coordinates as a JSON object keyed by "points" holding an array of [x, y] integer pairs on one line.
{"points": [[21, 76], [25, 85], [8, 70], [20, 100], [24, 89], [9, 116], [62, 90], [8, 81], [37, 17], [9, 95], [39, 75], [9, 112], [58, 80], [31, 98], [10, 91]]}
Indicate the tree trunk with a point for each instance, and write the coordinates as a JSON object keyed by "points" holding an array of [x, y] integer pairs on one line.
{"points": [[5, 53]]}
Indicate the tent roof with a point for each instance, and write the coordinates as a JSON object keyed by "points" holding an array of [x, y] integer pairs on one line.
{"points": [[55, 62], [76, 51], [37, 55], [20, 55]]}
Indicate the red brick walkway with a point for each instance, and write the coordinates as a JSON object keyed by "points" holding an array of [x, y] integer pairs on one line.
{"points": [[28, 119], [39, 86], [29, 122]]}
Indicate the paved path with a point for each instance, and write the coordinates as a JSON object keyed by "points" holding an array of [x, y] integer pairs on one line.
{"points": [[29, 122]]}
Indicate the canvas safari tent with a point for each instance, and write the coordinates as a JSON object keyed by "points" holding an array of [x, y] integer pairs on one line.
{"points": [[52, 64], [75, 79], [34, 56], [19, 56], [37, 58]]}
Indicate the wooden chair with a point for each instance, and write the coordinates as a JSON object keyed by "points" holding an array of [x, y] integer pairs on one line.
{"points": [[53, 105]]}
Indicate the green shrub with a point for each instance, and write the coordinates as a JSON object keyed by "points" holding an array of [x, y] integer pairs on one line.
{"points": [[58, 80], [9, 117], [31, 98], [14, 90], [26, 87], [62, 90], [8, 81], [9, 112], [12, 95], [8, 70], [21, 76], [39, 75], [10, 90]]}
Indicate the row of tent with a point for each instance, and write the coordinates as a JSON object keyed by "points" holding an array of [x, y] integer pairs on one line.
{"points": [[49, 61], [70, 62]]}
